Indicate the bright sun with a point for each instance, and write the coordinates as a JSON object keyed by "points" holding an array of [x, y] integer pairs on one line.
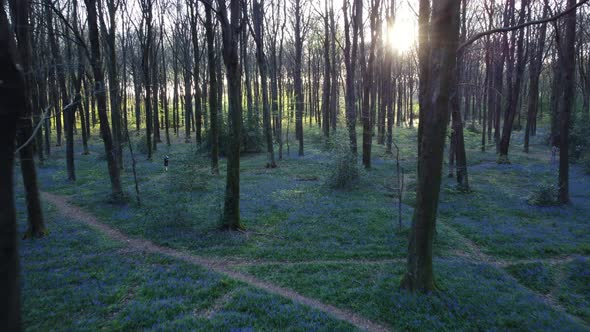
{"points": [[402, 35]]}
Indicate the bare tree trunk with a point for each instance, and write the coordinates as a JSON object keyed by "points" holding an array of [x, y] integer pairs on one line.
{"points": [[298, 81], [567, 63], [368, 85], [193, 6], [188, 98], [99, 90], [257, 19], [13, 99], [327, 79], [36, 227], [434, 118], [155, 84], [211, 65], [113, 75], [146, 11], [514, 87], [230, 27], [389, 85], [457, 122], [335, 72], [535, 67], [350, 58], [65, 101]]}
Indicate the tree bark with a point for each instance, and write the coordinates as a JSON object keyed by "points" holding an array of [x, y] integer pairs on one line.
{"points": [[514, 87], [36, 225], [368, 86], [535, 67], [230, 27], [444, 33], [567, 63], [351, 31], [297, 79], [211, 66], [99, 91], [13, 101], [257, 18], [326, 89]]}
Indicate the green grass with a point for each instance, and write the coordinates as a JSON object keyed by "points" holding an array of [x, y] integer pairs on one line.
{"points": [[78, 280], [293, 215], [472, 296]]}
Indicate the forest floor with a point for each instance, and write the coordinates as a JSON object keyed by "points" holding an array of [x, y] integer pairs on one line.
{"points": [[312, 258]]}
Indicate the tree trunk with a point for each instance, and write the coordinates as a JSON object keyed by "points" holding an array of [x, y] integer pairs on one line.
{"points": [[327, 79], [65, 101], [13, 103], [193, 7], [435, 116], [297, 79], [334, 74], [350, 58], [567, 63], [231, 33], [257, 18], [514, 87], [535, 67], [36, 225], [99, 90], [368, 86], [114, 86], [211, 66]]}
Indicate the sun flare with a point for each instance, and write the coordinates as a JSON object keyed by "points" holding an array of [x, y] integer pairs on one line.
{"points": [[402, 35]]}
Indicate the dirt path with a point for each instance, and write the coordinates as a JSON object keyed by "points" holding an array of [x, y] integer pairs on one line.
{"points": [[218, 266]]}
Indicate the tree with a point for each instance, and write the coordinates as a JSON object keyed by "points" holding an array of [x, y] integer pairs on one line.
{"points": [[351, 30], [146, 45], [100, 92], [327, 71], [113, 75], [368, 85], [514, 86], [13, 101], [211, 66], [193, 6], [536, 64], [67, 111], [457, 137], [297, 79], [434, 112], [258, 34], [36, 228], [230, 28], [567, 59]]}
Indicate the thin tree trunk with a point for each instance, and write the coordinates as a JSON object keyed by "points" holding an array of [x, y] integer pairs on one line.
{"points": [[213, 107], [567, 63], [534, 73], [99, 90], [258, 17], [230, 30]]}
